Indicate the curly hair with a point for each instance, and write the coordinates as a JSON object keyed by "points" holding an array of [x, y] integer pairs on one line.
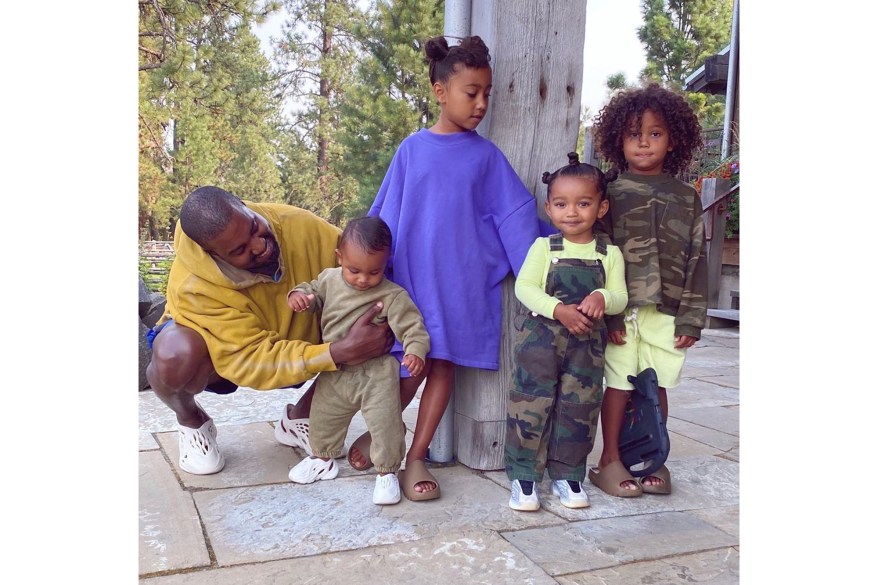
{"points": [[471, 51], [626, 110], [574, 168]]}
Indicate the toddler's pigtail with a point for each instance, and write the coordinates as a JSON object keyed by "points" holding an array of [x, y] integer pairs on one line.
{"points": [[611, 175], [572, 159], [547, 177]]}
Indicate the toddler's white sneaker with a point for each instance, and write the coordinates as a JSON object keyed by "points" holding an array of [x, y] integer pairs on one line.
{"points": [[311, 469], [524, 502], [386, 490], [571, 493]]}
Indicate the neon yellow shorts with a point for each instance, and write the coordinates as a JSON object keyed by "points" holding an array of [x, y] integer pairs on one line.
{"points": [[649, 343]]}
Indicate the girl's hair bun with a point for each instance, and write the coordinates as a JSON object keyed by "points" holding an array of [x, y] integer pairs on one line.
{"points": [[546, 176], [436, 48], [572, 158], [611, 175]]}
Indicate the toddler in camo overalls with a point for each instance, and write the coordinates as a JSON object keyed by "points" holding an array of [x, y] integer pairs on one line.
{"points": [[567, 283]]}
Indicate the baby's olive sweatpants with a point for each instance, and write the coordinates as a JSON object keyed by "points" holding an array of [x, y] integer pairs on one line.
{"points": [[372, 387]]}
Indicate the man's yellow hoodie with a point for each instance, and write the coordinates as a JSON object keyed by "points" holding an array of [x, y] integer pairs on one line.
{"points": [[254, 338]]}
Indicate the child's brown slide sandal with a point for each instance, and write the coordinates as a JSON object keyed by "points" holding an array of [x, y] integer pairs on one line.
{"points": [[363, 444], [663, 488], [413, 474], [610, 478]]}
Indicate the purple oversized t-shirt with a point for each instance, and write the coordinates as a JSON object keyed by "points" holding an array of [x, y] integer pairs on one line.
{"points": [[461, 221]]}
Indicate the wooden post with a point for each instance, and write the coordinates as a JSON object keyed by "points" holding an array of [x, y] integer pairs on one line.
{"points": [[536, 54]]}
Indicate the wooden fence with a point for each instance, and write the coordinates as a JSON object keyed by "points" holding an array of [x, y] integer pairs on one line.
{"points": [[155, 263]]}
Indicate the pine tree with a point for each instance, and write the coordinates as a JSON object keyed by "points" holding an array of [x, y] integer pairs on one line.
{"points": [[206, 112], [392, 96], [678, 36], [315, 57]]}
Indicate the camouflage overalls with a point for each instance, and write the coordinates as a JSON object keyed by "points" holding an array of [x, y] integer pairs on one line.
{"points": [[555, 401]]}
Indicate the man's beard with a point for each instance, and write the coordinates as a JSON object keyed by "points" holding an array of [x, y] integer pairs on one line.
{"points": [[271, 265]]}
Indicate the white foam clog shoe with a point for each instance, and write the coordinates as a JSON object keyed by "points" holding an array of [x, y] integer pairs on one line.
{"points": [[199, 452]]}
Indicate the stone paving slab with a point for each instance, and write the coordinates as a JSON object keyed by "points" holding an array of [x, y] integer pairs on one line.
{"points": [[253, 457], [147, 442], [721, 441], [727, 377], [715, 567], [170, 531], [584, 546], [726, 419], [726, 518], [289, 520], [243, 406], [682, 447], [456, 557], [697, 393], [711, 355], [697, 483]]}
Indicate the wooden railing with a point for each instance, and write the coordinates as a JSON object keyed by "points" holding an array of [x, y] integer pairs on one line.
{"points": [[715, 195]]}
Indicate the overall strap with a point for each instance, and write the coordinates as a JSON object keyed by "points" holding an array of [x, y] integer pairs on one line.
{"points": [[600, 245], [556, 243]]}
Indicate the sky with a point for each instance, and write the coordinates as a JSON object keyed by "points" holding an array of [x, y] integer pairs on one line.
{"points": [[611, 46]]}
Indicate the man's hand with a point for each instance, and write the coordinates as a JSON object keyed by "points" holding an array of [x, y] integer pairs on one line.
{"points": [[684, 341], [572, 319], [363, 341], [299, 301], [413, 364]]}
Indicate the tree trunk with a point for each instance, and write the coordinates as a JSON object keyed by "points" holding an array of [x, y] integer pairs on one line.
{"points": [[536, 53], [323, 123]]}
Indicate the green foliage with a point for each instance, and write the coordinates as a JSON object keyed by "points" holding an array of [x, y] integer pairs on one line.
{"points": [[392, 96], [678, 36], [207, 115], [315, 58], [727, 168], [155, 274]]}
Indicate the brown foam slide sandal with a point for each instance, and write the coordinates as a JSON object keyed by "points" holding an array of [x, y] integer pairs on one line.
{"points": [[363, 444], [665, 488], [610, 478], [413, 474]]}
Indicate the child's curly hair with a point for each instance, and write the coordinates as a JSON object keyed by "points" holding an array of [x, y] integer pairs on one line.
{"points": [[472, 52], [626, 110]]}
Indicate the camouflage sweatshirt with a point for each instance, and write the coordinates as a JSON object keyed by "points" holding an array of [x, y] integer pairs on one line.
{"points": [[656, 221]]}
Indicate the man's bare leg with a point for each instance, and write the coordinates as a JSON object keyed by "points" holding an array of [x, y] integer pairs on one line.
{"points": [[179, 370]]}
